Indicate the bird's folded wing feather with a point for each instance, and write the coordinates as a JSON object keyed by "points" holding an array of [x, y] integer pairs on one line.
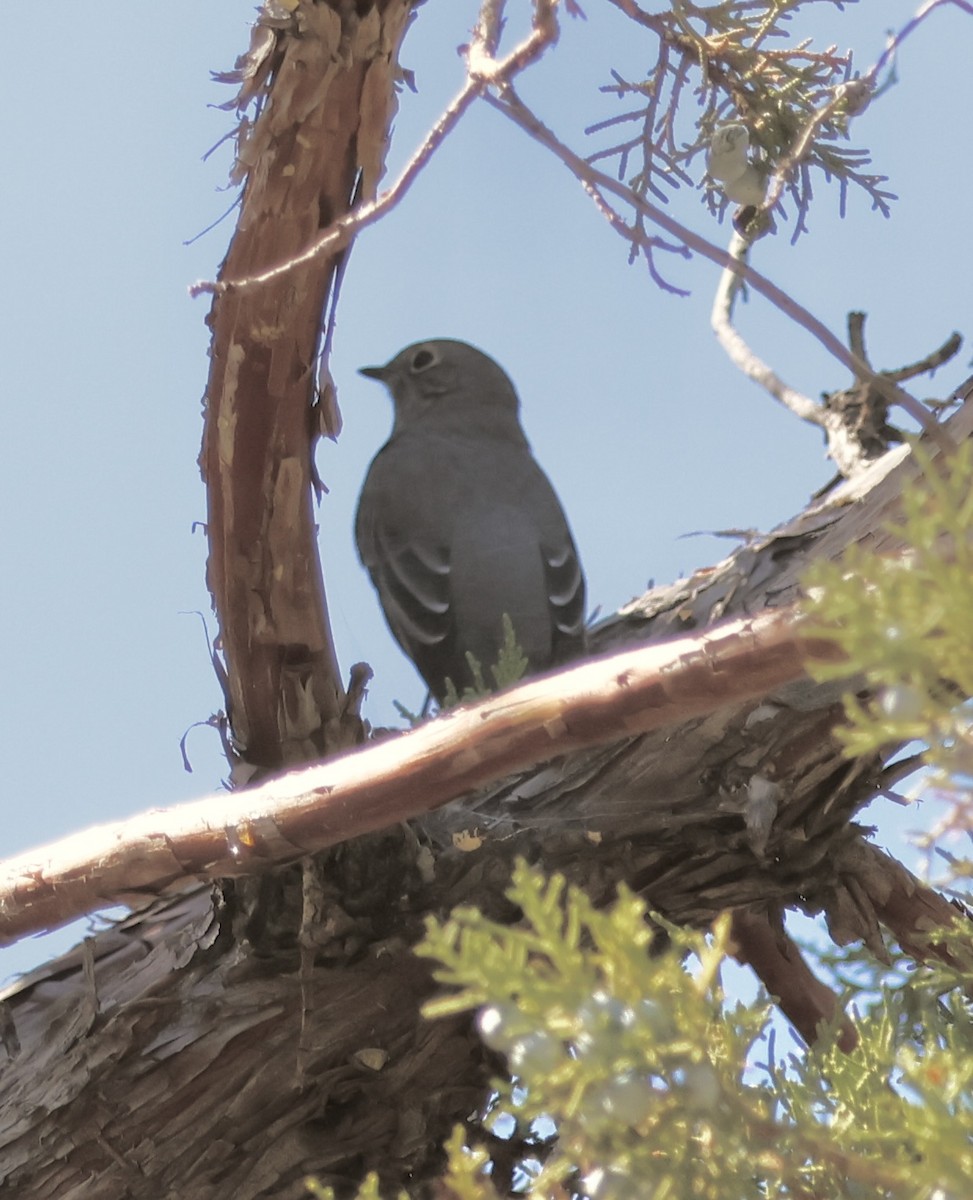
{"points": [[565, 587], [413, 582]]}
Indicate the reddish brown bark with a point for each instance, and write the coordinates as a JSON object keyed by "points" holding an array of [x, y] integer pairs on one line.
{"points": [[762, 944], [320, 137]]}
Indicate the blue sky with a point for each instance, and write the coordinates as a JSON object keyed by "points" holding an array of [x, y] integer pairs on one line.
{"points": [[644, 426]]}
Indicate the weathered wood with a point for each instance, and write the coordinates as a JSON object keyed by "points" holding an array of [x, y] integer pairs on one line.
{"points": [[371, 788], [597, 705], [219, 1050], [326, 72]]}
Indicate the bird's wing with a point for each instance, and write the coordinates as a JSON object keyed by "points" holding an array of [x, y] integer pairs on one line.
{"points": [[514, 555], [413, 583], [565, 592], [563, 578]]}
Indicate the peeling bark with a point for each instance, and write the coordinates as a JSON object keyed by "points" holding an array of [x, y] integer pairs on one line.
{"points": [[230, 1040], [371, 788], [328, 77]]}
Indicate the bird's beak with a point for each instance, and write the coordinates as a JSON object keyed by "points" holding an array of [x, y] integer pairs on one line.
{"points": [[380, 373]]}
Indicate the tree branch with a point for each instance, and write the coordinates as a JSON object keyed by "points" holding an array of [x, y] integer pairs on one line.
{"points": [[306, 811], [762, 944], [483, 71], [854, 421], [737, 350], [514, 108], [320, 135]]}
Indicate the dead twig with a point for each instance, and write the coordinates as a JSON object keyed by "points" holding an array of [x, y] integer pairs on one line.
{"points": [[739, 352], [483, 71], [853, 421], [510, 104]]}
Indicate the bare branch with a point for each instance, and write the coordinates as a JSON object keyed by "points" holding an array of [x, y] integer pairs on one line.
{"points": [[656, 23], [740, 353], [483, 71], [856, 336], [489, 25], [376, 787], [340, 232], [510, 104], [762, 944], [931, 362], [854, 421], [324, 85], [896, 40]]}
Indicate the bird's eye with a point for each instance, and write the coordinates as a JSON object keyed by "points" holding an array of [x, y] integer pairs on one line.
{"points": [[422, 359]]}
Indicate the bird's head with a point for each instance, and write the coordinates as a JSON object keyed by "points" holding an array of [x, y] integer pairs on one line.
{"points": [[449, 384]]}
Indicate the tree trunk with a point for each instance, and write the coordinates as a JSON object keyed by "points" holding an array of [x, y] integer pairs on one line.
{"points": [[230, 1041]]}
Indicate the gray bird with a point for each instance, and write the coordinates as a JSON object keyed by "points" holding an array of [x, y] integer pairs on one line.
{"points": [[458, 525]]}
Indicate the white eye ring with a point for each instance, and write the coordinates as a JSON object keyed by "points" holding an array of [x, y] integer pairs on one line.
{"points": [[422, 360]]}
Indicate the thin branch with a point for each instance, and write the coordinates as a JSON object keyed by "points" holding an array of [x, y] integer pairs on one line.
{"points": [[740, 353], [649, 20], [489, 26], [306, 811], [856, 335], [483, 71], [510, 104], [896, 40], [777, 961], [852, 444], [340, 232], [647, 245], [786, 168], [931, 362]]}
